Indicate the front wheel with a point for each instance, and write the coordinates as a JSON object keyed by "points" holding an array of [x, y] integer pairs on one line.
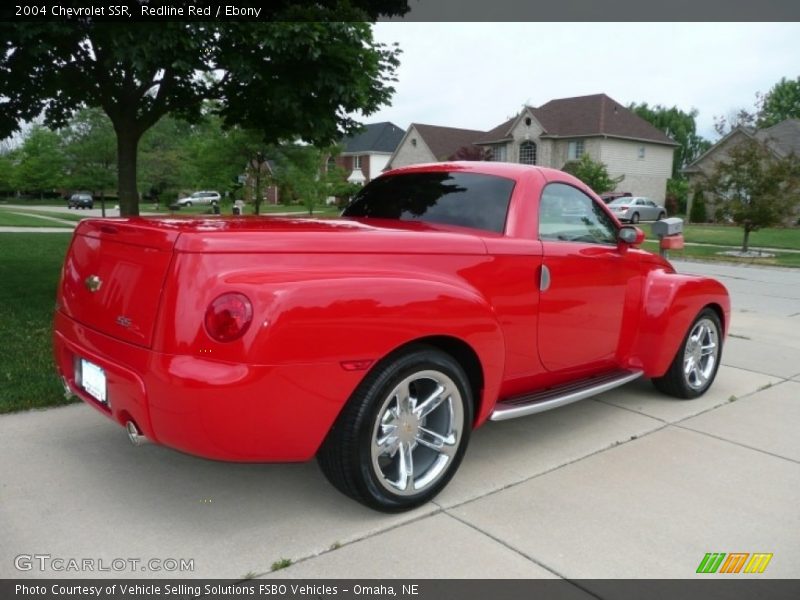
{"points": [[695, 365], [635, 218], [403, 433], [661, 216]]}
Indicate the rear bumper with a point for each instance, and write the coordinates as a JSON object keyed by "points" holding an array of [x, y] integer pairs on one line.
{"points": [[218, 410]]}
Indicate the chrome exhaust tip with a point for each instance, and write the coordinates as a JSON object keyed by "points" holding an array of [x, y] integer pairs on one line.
{"points": [[134, 435]]}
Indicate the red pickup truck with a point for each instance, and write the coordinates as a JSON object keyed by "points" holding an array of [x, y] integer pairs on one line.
{"points": [[445, 296]]}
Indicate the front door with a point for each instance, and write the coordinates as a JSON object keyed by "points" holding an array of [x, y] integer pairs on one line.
{"points": [[588, 286]]}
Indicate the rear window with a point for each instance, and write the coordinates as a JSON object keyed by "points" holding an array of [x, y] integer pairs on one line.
{"points": [[450, 198]]}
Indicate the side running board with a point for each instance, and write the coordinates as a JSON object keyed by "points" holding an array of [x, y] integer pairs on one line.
{"points": [[536, 402]]}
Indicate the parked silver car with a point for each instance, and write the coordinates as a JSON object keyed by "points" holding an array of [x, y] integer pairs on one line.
{"points": [[211, 198], [637, 208]]}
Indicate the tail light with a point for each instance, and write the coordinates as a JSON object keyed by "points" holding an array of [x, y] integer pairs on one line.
{"points": [[228, 317]]}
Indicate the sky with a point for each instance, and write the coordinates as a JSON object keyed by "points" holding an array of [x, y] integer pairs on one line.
{"points": [[476, 75]]}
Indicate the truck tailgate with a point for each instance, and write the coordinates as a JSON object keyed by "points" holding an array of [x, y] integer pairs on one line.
{"points": [[113, 278]]}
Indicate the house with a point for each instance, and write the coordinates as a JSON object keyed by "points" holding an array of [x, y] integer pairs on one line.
{"points": [[366, 153], [563, 130], [431, 143], [782, 139]]}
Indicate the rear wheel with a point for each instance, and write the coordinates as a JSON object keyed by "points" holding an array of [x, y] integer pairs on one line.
{"points": [[695, 365], [403, 433]]}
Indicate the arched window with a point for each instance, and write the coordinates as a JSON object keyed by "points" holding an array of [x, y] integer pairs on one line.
{"points": [[527, 153]]}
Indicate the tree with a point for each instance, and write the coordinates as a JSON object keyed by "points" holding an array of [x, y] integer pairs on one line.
{"points": [[40, 166], [780, 103], [592, 173], [304, 174], [470, 153], [755, 187], [296, 74], [91, 153], [739, 117], [680, 126], [6, 172]]}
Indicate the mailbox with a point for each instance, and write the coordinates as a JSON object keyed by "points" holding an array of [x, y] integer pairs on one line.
{"points": [[669, 233], [665, 227]]}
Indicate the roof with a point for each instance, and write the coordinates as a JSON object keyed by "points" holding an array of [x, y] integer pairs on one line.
{"points": [[583, 116], [374, 137], [444, 141], [783, 137]]}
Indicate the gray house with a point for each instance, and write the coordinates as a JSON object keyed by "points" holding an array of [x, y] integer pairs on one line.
{"points": [[366, 153], [782, 139]]}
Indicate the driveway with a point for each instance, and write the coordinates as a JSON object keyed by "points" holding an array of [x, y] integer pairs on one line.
{"points": [[628, 484]]}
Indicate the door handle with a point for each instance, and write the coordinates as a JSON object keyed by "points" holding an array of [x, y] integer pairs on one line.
{"points": [[544, 279]]}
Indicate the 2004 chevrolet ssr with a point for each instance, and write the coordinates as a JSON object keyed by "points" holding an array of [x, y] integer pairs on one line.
{"points": [[446, 295]]}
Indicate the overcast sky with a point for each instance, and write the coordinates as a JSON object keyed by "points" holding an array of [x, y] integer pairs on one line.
{"points": [[475, 75]]}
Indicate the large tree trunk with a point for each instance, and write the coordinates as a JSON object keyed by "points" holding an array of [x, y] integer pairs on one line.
{"points": [[127, 149], [746, 241]]}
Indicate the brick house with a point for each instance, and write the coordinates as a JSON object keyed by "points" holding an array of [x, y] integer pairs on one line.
{"points": [[563, 130]]}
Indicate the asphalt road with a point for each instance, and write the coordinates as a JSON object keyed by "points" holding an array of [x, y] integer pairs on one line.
{"points": [[628, 484]]}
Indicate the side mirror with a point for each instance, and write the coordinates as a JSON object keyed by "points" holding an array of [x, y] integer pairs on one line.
{"points": [[630, 236]]}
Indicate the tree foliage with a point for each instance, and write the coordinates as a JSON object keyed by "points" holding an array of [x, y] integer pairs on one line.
{"points": [[592, 173], [781, 102], [39, 166], [305, 174], [754, 187], [298, 74], [471, 153], [680, 126], [90, 152]]}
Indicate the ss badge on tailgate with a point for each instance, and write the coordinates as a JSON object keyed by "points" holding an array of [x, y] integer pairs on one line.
{"points": [[93, 283], [123, 321]]}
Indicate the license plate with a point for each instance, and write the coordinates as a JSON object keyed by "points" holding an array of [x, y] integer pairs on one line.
{"points": [[93, 381]]}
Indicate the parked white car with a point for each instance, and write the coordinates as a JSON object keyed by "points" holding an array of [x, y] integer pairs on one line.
{"points": [[637, 208], [211, 198]]}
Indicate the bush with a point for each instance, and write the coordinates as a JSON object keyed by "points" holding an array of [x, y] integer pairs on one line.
{"points": [[698, 214]]}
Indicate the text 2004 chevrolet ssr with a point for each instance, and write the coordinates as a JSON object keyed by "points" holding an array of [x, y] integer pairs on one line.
{"points": [[446, 295]]}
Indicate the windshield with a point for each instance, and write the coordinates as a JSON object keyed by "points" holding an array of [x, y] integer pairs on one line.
{"points": [[451, 198]]}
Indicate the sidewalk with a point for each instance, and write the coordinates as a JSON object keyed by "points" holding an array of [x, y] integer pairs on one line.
{"points": [[628, 484]]}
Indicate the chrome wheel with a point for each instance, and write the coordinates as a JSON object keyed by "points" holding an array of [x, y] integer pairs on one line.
{"points": [[700, 354], [417, 432], [695, 364]]}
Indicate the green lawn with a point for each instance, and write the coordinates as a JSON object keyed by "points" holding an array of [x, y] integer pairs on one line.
{"points": [[730, 235], [227, 209], [30, 264], [9, 219], [781, 259]]}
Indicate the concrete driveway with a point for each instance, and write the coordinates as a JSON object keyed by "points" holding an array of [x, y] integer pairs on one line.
{"points": [[628, 484]]}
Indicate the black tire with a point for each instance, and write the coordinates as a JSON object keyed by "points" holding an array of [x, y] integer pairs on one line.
{"points": [[635, 218], [187, 204], [661, 215], [676, 382], [357, 467]]}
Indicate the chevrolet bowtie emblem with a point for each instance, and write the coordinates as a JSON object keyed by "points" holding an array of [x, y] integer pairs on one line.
{"points": [[93, 283]]}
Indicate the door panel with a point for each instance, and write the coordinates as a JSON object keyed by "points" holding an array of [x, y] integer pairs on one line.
{"points": [[581, 313]]}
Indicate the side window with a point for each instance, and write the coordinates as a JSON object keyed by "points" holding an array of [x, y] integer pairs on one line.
{"points": [[568, 215]]}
